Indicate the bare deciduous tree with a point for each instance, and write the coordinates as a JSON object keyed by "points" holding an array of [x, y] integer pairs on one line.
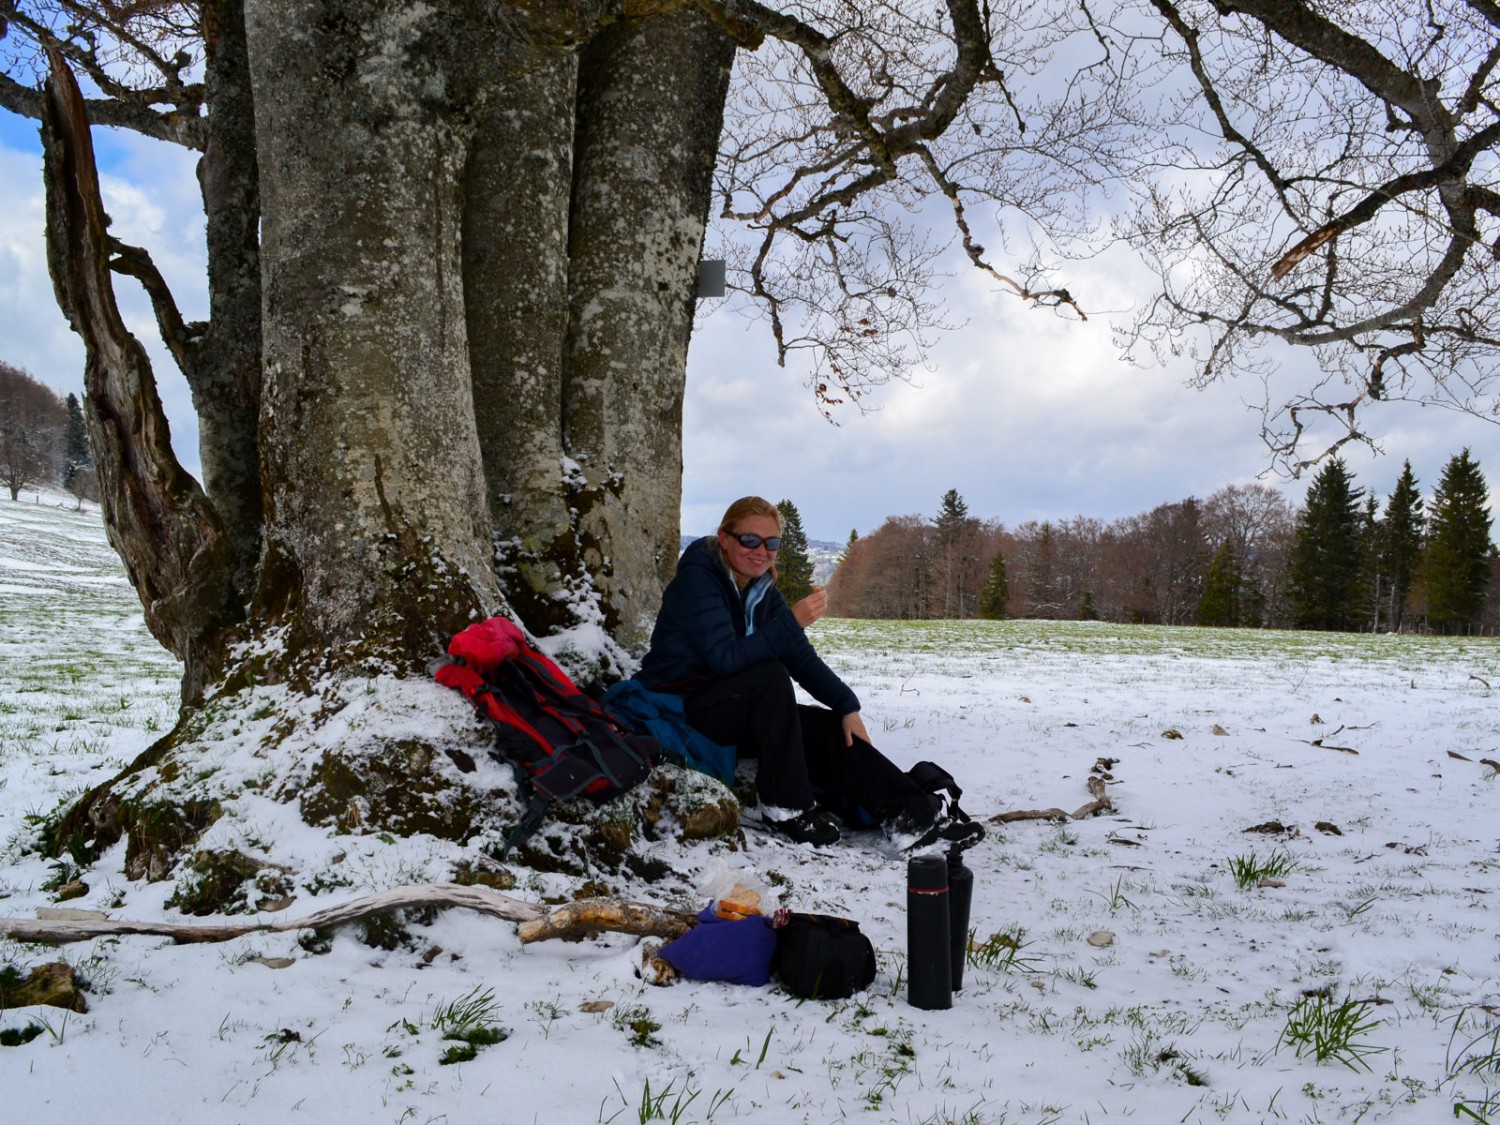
{"points": [[32, 424], [1347, 207]]}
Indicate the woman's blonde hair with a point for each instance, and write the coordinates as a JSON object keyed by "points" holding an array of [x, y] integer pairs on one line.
{"points": [[749, 506]]}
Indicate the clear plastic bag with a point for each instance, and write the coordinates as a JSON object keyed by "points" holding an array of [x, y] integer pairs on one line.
{"points": [[737, 892]]}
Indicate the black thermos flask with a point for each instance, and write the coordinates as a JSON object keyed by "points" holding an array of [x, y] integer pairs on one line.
{"points": [[929, 949], [960, 895]]}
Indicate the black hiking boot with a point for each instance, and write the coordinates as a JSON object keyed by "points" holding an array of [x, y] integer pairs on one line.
{"points": [[812, 826], [955, 833]]}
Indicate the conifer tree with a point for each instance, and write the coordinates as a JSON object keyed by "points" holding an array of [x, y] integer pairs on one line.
{"points": [[1041, 577], [1402, 533], [76, 447], [956, 577], [1372, 576], [1222, 589], [853, 538], [1324, 589], [1458, 548], [996, 591], [1088, 610], [794, 569]]}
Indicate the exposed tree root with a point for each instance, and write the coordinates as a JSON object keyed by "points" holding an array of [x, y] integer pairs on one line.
{"points": [[1098, 775]]}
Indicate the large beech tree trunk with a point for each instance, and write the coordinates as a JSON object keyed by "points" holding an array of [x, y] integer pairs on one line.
{"points": [[587, 194], [650, 110], [451, 315], [225, 379], [517, 190], [377, 527]]}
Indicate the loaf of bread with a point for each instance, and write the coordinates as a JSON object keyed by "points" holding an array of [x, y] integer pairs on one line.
{"points": [[740, 902]]}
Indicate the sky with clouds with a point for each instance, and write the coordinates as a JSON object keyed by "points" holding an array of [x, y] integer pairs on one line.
{"points": [[1028, 414]]}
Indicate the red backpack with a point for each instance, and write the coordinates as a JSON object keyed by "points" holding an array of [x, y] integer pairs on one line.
{"points": [[561, 743]]}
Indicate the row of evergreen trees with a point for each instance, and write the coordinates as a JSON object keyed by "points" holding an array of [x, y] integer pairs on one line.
{"points": [[1243, 557], [1353, 566]]}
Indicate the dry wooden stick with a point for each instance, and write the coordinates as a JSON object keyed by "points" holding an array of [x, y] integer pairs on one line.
{"points": [[425, 895], [587, 916], [1101, 803]]}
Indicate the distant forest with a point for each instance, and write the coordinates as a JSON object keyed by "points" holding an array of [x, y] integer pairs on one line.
{"points": [[1245, 556], [43, 438]]}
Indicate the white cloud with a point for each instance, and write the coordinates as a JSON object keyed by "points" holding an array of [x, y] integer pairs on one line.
{"points": [[151, 198], [1028, 414]]}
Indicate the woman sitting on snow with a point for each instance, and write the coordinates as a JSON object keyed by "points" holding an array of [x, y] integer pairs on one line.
{"points": [[730, 646]]}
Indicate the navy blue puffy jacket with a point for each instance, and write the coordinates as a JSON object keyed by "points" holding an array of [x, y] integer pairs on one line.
{"points": [[701, 634]]}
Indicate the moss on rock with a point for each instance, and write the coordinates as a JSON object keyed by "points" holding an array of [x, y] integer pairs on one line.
{"points": [[399, 786], [216, 883], [52, 984]]}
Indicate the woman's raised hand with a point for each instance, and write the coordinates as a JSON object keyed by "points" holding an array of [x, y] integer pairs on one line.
{"points": [[812, 607]]}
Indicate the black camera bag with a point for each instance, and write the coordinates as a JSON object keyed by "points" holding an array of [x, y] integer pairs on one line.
{"points": [[822, 957]]}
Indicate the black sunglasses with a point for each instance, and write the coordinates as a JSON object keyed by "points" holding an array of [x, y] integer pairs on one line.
{"points": [[749, 540]]}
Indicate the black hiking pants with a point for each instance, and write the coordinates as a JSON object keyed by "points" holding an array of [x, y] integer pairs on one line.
{"points": [[800, 750]]}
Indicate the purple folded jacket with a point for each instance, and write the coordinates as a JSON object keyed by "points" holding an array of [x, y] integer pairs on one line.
{"points": [[738, 950]]}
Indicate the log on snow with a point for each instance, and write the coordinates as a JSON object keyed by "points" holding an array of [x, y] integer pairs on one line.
{"points": [[588, 916], [421, 896]]}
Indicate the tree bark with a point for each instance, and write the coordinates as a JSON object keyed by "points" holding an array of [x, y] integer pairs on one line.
{"points": [[225, 380], [650, 107], [377, 531], [515, 260]]}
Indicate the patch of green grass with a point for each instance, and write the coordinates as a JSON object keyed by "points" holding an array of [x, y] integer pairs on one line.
{"points": [[468, 1023], [1330, 1032], [1474, 1057], [16, 1037], [1005, 952], [1115, 898], [1250, 871], [641, 1025]]}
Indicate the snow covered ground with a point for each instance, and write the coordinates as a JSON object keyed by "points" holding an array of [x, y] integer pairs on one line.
{"points": [[1381, 890]]}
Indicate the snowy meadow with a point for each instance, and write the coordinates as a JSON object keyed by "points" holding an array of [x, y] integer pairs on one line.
{"points": [[1291, 913]]}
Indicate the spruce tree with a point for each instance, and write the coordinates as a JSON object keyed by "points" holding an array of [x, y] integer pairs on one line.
{"points": [[1458, 547], [1088, 610], [1041, 578], [794, 569], [1222, 589], [952, 514], [955, 575], [996, 591], [1324, 571], [853, 538], [76, 446], [1402, 533], [1372, 577]]}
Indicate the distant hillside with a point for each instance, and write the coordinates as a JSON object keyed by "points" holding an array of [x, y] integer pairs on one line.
{"points": [[824, 555]]}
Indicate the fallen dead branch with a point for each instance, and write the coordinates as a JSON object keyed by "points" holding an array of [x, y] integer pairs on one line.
{"points": [[422, 896], [588, 916], [1101, 803], [1322, 744], [573, 921]]}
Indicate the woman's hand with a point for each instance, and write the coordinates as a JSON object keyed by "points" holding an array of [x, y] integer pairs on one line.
{"points": [[854, 727], [812, 607]]}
